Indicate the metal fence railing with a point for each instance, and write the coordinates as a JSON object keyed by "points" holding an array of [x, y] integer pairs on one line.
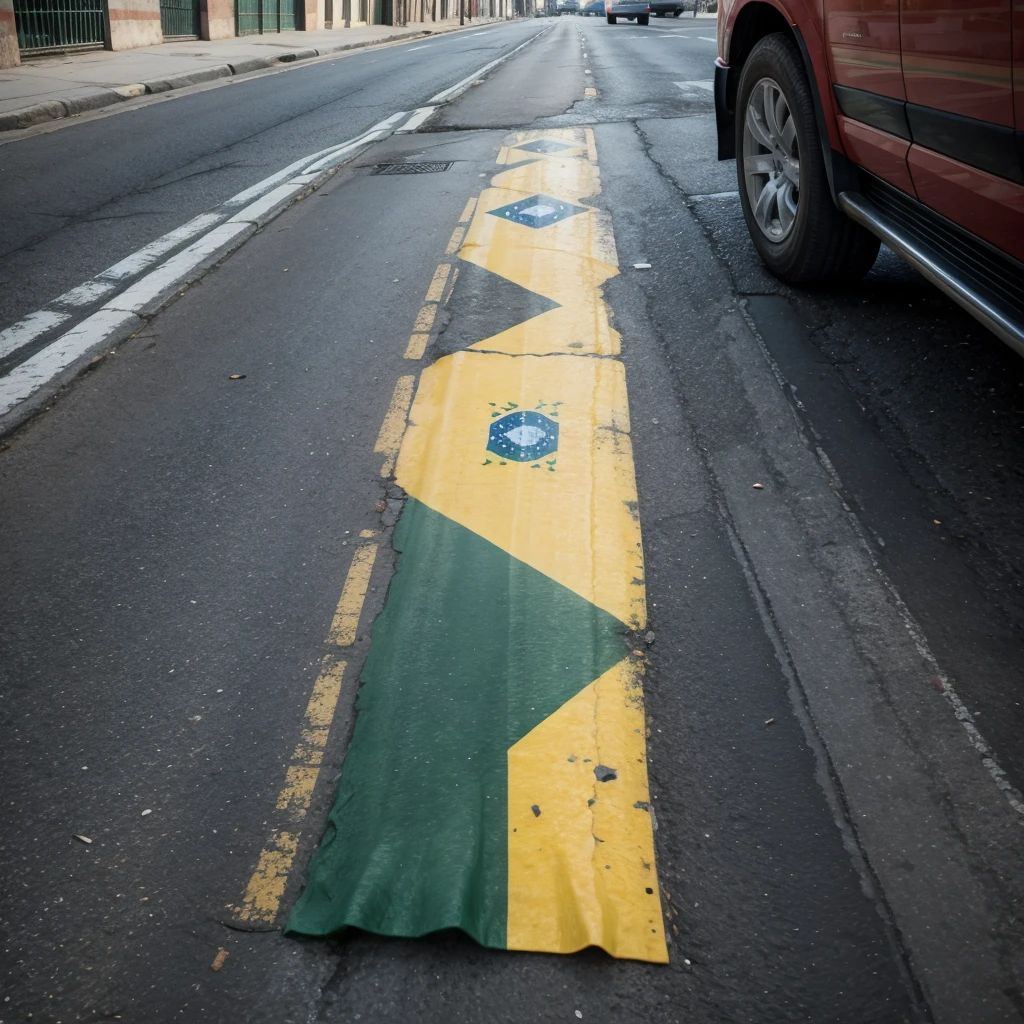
{"points": [[58, 24], [268, 16], [179, 18]]}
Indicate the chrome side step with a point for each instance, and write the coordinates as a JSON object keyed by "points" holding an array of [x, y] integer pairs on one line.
{"points": [[1006, 323]]}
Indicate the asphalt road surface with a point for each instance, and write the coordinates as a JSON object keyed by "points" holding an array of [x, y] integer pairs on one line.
{"points": [[832, 659]]}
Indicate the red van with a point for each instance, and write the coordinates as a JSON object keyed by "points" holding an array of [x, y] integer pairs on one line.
{"points": [[901, 121]]}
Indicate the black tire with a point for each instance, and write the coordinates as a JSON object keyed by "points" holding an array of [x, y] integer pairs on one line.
{"points": [[611, 19], [643, 19], [823, 243], [677, 12]]}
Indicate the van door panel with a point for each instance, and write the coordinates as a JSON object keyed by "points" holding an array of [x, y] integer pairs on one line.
{"points": [[957, 57]]}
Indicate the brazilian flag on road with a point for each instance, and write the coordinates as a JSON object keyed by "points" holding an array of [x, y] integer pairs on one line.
{"points": [[496, 779]]}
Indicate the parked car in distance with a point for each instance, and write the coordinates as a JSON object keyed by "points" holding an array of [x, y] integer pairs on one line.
{"points": [[628, 9], [594, 8], [663, 8], [855, 122], [567, 7]]}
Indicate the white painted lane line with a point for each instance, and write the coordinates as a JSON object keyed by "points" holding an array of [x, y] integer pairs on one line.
{"points": [[710, 86], [28, 329], [716, 195], [221, 231], [112, 319], [28, 377], [160, 281], [247, 195], [85, 294], [708, 39], [418, 117], [266, 203], [38, 323], [413, 49], [115, 318], [241, 198], [453, 91], [341, 153], [149, 254]]}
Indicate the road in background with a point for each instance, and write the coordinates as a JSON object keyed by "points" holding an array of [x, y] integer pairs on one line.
{"points": [[830, 846], [82, 196]]}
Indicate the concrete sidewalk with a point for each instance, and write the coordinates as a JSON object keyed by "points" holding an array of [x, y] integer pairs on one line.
{"points": [[44, 88]]}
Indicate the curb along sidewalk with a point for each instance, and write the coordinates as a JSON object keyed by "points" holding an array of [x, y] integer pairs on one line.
{"points": [[48, 88]]}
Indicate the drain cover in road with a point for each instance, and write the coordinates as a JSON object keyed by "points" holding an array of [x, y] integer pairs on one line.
{"points": [[413, 167]]}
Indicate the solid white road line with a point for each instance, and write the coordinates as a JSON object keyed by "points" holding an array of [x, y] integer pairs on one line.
{"points": [[38, 323], [266, 203], [149, 254], [85, 294], [247, 195], [168, 275], [28, 329], [710, 86], [28, 377], [341, 153], [708, 39]]}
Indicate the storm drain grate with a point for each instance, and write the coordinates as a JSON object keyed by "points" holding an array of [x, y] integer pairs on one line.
{"points": [[423, 167]]}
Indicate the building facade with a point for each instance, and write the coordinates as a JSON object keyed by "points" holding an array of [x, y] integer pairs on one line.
{"points": [[36, 27]]}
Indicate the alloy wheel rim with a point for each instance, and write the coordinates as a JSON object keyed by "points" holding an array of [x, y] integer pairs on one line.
{"points": [[771, 160]]}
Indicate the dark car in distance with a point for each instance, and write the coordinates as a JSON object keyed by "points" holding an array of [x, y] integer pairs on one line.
{"points": [[628, 9], [663, 8], [594, 9]]}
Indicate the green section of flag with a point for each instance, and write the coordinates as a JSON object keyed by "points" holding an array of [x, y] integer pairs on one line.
{"points": [[472, 650]]}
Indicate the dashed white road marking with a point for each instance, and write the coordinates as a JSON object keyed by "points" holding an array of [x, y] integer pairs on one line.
{"points": [[710, 86]]}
